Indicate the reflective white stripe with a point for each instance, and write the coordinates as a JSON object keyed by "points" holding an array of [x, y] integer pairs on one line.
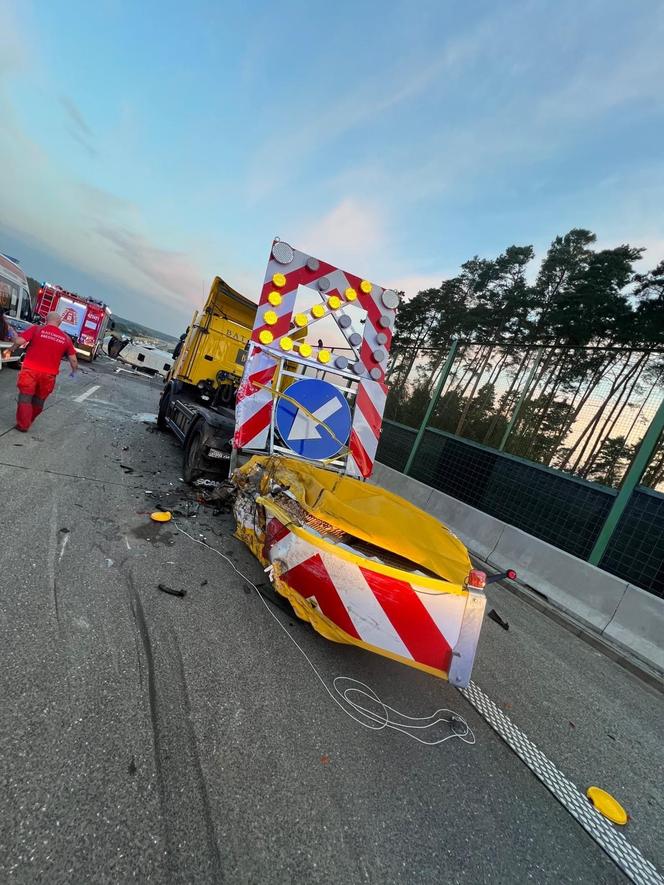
{"points": [[291, 551], [446, 610], [86, 394], [363, 608], [365, 434]]}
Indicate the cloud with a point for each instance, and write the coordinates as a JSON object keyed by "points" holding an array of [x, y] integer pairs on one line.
{"points": [[77, 126], [350, 231]]}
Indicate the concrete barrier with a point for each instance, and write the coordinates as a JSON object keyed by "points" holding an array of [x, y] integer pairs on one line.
{"points": [[623, 614], [575, 586], [638, 625]]}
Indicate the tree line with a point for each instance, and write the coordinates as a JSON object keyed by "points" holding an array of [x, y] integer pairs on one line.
{"points": [[587, 331]]}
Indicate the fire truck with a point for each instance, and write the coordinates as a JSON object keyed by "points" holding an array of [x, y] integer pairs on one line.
{"points": [[83, 319]]}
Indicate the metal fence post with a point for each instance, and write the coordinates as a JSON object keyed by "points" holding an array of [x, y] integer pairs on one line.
{"points": [[433, 402], [520, 402], [634, 473]]}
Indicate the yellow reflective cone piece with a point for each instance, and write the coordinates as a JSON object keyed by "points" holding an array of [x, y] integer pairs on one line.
{"points": [[161, 516], [607, 805]]}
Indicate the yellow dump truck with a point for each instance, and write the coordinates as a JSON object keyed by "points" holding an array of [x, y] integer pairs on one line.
{"points": [[198, 400]]}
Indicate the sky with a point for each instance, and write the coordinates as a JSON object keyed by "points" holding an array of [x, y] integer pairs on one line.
{"points": [[146, 147]]}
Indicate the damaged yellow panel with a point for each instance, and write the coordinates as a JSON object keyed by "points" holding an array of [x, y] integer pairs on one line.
{"points": [[367, 512]]}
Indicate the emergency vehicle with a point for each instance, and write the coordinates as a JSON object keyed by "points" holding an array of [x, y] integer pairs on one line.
{"points": [[14, 291], [83, 319]]}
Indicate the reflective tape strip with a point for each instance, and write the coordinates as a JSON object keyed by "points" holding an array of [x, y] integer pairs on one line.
{"points": [[622, 853], [37, 401], [25, 398]]}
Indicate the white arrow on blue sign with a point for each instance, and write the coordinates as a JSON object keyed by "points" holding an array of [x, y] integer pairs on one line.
{"points": [[305, 419]]}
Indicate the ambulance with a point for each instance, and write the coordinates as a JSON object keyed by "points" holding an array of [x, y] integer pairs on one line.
{"points": [[14, 291]]}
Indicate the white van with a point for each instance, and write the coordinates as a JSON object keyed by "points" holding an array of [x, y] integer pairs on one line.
{"points": [[14, 292]]}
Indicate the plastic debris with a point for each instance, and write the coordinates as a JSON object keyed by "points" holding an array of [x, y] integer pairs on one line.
{"points": [[494, 616], [171, 590], [161, 516], [607, 805]]}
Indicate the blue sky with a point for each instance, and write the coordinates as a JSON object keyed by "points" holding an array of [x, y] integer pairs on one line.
{"points": [[145, 147]]}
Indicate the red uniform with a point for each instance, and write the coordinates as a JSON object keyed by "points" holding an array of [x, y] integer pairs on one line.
{"points": [[46, 347]]}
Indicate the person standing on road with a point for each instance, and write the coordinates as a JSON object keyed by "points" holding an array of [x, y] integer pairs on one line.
{"points": [[47, 345]]}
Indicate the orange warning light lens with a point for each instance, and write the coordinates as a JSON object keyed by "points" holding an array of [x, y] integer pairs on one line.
{"points": [[265, 337], [279, 280], [274, 298], [270, 318], [318, 311], [286, 343], [305, 349], [323, 356], [366, 286], [334, 302], [351, 294], [300, 320]]}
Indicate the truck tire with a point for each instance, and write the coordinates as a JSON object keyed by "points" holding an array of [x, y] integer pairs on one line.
{"points": [[164, 404], [192, 459]]}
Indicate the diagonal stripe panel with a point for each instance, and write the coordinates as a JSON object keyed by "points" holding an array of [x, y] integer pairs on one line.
{"points": [[309, 579]]}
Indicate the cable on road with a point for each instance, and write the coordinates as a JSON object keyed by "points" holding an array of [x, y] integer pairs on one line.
{"points": [[356, 697]]}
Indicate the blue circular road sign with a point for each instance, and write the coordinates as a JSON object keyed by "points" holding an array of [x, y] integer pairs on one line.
{"points": [[315, 420]]}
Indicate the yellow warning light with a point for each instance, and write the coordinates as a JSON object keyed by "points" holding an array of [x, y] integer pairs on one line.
{"points": [[279, 280], [305, 349], [274, 298], [161, 516], [286, 343], [318, 311], [366, 286], [270, 318], [334, 302], [300, 320], [323, 356], [351, 294], [607, 805], [265, 337]]}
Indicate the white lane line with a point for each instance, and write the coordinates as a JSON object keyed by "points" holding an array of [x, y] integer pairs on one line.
{"points": [[622, 853], [86, 393]]}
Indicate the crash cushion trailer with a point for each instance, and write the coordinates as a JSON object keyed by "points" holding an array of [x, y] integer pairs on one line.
{"points": [[198, 399]]}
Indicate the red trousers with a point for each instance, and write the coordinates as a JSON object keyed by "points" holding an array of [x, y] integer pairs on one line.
{"points": [[33, 391]]}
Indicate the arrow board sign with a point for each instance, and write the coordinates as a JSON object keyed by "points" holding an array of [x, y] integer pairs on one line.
{"points": [[315, 420]]}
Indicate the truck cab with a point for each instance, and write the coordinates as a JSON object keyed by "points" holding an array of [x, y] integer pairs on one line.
{"points": [[198, 400]]}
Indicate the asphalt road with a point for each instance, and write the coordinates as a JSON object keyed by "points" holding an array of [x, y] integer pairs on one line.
{"points": [[151, 738]]}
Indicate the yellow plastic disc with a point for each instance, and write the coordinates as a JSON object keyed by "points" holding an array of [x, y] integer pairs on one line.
{"points": [[334, 302], [323, 356], [265, 337], [305, 349], [607, 805], [279, 280], [351, 294], [300, 320], [274, 298], [286, 343], [366, 286], [270, 317], [318, 311], [161, 516]]}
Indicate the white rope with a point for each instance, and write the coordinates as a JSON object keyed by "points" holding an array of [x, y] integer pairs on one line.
{"points": [[356, 694]]}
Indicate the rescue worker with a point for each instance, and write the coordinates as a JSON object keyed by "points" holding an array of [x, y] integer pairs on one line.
{"points": [[47, 345]]}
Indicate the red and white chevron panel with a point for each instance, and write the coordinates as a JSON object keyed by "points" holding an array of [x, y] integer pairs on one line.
{"points": [[254, 404], [424, 628]]}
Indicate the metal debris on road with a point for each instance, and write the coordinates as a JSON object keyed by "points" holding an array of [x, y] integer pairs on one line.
{"points": [[494, 616]]}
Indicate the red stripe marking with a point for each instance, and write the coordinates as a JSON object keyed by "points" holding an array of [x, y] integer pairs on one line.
{"points": [[247, 431], [275, 531], [363, 461], [410, 619], [364, 404], [301, 277], [310, 578]]}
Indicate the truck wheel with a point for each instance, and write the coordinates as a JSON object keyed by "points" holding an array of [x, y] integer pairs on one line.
{"points": [[164, 404], [192, 462]]}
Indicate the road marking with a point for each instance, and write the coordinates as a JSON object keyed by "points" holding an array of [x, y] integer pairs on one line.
{"points": [[628, 858], [303, 426], [86, 394]]}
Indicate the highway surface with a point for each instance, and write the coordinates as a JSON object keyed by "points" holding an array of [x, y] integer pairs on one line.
{"points": [[160, 739]]}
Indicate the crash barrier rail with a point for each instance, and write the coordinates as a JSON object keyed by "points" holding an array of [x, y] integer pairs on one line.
{"points": [[611, 607], [562, 510]]}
